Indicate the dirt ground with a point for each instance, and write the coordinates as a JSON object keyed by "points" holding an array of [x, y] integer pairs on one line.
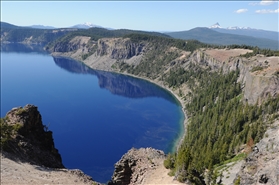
{"points": [[160, 176], [14, 172], [224, 54]]}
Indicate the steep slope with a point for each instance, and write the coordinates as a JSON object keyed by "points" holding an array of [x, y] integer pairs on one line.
{"points": [[206, 80], [23, 135], [28, 154], [262, 165]]}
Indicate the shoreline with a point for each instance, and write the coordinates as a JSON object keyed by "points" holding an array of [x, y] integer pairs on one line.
{"points": [[178, 141]]}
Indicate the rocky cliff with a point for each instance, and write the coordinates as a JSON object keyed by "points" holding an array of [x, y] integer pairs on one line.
{"points": [[258, 74], [262, 165], [135, 165], [28, 154], [32, 141], [118, 48], [80, 47]]}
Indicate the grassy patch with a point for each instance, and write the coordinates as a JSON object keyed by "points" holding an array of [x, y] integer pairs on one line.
{"points": [[224, 164], [257, 68], [7, 131]]}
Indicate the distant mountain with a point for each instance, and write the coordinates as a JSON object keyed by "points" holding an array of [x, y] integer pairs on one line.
{"points": [[8, 25], [86, 25], [211, 36], [41, 27], [216, 25], [247, 31]]}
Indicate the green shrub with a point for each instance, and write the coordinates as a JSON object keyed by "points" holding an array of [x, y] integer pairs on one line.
{"points": [[257, 68], [169, 162]]}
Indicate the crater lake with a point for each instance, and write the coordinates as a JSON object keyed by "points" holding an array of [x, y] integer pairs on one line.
{"points": [[95, 116]]}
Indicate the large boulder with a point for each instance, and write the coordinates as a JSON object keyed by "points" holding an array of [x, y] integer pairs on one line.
{"points": [[135, 164]]}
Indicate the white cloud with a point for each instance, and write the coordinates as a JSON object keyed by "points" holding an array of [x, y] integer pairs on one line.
{"points": [[264, 11], [264, 2], [241, 10], [267, 2], [253, 4]]}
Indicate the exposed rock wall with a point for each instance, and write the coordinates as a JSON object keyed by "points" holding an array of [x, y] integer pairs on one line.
{"points": [[135, 164], [30, 157], [257, 86], [78, 42], [32, 142], [118, 48], [262, 165]]}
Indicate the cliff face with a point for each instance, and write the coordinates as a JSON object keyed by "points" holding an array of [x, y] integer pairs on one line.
{"points": [[262, 165], [118, 48], [257, 74], [77, 43], [32, 141], [114, 48]]}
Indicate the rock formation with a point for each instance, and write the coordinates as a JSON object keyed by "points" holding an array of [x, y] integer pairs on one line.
{"points": [[257, 74], [32, 142], [262, 165], [29, 145], [135, 164], [118, 48]]}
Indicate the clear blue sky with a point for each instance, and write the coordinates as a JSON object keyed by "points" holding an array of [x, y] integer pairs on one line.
{"points": [[144, 15]]}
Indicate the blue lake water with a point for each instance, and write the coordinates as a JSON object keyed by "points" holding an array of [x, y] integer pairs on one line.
{"points": [[95, 116]]}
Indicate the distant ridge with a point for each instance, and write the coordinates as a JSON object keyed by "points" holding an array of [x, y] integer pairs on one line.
{"points": [[211, 36], [8, 25], [247, 31], [41, 27]]}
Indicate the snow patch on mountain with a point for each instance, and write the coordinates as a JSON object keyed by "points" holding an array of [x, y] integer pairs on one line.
{"points": [[86, 25], [217, 25]]}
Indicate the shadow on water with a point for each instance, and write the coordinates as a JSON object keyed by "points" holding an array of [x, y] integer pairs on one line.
{"points": [[117, 84], [23, 48], [126, 123]]}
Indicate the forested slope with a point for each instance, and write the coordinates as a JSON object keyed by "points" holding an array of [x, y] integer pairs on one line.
{"points": [[222, 123]]}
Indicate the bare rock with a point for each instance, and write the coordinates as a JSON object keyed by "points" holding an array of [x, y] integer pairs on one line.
{"points": [[118, 48], [31, 141], [135, 164], [262, 164]]}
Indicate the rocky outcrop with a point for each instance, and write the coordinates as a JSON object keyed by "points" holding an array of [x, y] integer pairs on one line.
{"points": [[135, 164], [31, 141], [262, 164], [78, 42], [29, 155], [259, 88], [257, 84], [118, 48], [113, 48]]}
